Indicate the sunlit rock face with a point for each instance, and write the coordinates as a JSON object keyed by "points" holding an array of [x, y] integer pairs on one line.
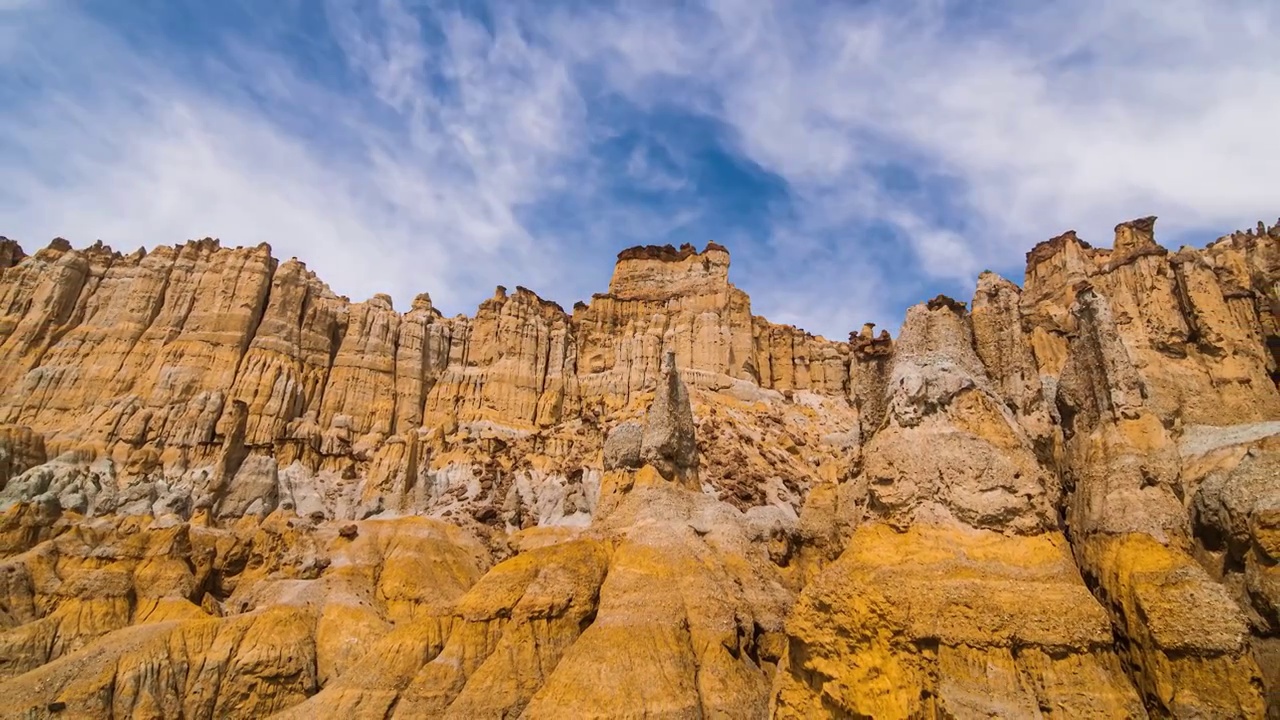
{"points": [[228, 492]]}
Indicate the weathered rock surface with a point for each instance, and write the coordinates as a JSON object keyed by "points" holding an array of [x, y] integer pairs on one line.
{"points": [[228, 492], [667, 441], [957, 595]]}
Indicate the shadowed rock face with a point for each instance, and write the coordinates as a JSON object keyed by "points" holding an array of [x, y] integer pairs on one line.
{"points": [[227, 492]]}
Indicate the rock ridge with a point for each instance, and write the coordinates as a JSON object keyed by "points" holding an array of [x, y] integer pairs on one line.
{"points": [[226, 491]]}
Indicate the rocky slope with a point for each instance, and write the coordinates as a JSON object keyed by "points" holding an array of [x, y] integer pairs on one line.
{"points": [[228, 492]]}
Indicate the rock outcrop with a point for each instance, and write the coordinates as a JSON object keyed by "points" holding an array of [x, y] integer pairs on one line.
{"points": [[226, 491], [957, 595]]}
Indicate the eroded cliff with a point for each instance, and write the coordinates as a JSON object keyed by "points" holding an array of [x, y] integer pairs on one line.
{"points": [[228, 492]]}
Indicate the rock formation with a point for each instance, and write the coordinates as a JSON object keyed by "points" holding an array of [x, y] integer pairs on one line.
{"points": [[226, 491]]}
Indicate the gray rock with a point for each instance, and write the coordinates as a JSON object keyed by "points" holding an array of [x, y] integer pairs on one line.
{"points": [[668, 442], [1225, 503], [622, 447], [927, 463], [74, 501], [136, 499], [173, 501], [28, 485], [47, 507], [304, 490], [254, 490]]}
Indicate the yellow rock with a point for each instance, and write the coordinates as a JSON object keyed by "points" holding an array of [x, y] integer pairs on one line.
{"points": [[1184, 632], [226, 491], [951, 622]]}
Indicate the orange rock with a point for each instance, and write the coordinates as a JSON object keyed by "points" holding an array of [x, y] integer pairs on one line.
{"points": [[227, 492]]}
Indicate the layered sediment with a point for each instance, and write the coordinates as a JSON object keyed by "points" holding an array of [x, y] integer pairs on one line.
{"points": [[229, 492]]}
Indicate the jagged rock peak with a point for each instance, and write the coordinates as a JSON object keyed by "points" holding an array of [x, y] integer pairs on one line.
{"points": [[1135, 239], [422, 303], [667, 253], [1047, 249], [1140, 227], [991, 284], [11, 253], [658, 272], [525, 294], [942, 301], [866, 343]]}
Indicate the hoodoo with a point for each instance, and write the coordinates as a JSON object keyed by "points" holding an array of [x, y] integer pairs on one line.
{"points": [[227, 492]]}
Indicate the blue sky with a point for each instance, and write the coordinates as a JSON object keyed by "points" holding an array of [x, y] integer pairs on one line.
{"points": [[856, 157]]}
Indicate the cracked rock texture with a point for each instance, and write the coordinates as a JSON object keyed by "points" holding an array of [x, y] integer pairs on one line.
{"points": [[227, 492]]}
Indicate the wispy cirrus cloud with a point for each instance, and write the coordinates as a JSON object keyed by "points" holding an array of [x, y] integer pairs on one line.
{"points": [[969, 131], [855, 157], [376, 181]]}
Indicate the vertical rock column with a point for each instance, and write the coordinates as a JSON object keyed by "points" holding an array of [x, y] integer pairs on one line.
{"points": [[958, 595], [1184, 641], [667, 442]]}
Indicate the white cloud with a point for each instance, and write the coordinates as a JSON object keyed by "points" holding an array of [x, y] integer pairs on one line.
{"points": [[113, 147], [1042, 117], [1032, 118], [649, 174]]}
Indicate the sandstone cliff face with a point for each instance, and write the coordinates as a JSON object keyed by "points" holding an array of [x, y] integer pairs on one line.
{"points": [[229, 492]]}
